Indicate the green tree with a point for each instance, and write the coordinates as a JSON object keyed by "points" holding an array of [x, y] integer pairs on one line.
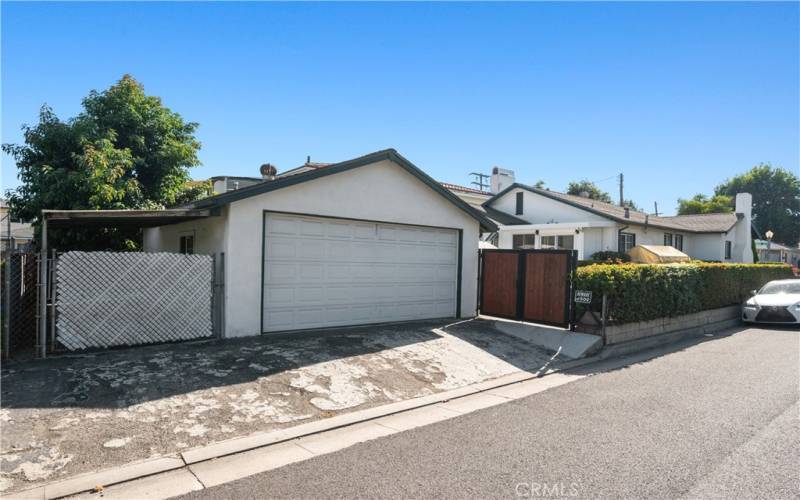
{"points": [[588, 187], [540, 184], [776, 200], [702, 204], [125, 150]]}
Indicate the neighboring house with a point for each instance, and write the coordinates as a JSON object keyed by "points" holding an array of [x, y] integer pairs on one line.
{"points": [[21, 235], [530, 217], [224, 183], [368, 240], [775, 252]]}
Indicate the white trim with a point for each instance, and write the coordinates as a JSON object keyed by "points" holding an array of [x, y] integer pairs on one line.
{"points": [[553, 228]]}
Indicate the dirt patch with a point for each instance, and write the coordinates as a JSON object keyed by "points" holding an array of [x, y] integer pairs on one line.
{"points": [[74, 414]]}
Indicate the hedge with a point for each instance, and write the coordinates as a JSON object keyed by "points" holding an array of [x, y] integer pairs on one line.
{"points": [[641, 292]]}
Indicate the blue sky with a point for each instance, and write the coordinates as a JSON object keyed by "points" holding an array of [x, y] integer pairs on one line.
{"points": [[677, 96]]}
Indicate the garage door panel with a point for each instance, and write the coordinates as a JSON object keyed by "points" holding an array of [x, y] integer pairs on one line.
{"points": [[364, 231], [281, 248], [311, 228], [280, 272], [311, 250], [331, 272], [283, 225], [338, 230]]}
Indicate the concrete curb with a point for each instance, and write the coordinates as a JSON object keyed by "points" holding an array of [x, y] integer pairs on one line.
{"points": [[86, 482]]}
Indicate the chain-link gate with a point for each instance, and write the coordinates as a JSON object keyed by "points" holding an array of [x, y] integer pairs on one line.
{"points": [[106, 299]]}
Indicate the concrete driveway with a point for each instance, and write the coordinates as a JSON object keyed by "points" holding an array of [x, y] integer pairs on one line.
{"points": [[74, 414]]}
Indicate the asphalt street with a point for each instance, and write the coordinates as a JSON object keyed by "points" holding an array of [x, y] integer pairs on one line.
{"points": [[711, 419]]}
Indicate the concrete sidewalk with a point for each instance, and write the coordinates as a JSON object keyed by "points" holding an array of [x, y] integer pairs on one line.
{"points": [[66, 416]]}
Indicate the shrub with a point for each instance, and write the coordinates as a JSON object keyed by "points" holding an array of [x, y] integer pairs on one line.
{"points": [[649, 291], [610, 257]]}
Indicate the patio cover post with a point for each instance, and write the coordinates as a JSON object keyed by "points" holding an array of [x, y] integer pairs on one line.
{"points": [[42, 340]]}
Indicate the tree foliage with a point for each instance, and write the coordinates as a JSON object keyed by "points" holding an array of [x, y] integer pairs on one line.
{"points": [[590, 188], [125, 150], [776, 200], [702, 204]]}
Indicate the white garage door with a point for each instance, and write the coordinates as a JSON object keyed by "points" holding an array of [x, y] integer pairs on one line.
{"points": [[321, 272]]}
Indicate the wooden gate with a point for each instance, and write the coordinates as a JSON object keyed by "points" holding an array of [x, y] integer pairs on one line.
{"points": [[528, 285]]}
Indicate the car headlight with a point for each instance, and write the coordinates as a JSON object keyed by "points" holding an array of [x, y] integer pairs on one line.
{"points": [[750, 304], [797, 306]]}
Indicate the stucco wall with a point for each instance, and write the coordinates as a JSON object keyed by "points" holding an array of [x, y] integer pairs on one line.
{"points": [[592, 241], [538, 209], [379, 192], [209, 235], [709, 246]]}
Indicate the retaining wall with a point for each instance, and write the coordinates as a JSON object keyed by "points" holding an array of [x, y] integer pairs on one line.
{"points": [[709, 321]]}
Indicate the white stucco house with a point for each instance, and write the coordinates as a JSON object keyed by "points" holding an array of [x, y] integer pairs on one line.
{"points": [[368, 240], [530, 217]]}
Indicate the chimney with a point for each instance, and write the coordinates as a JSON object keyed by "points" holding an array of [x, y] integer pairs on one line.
{"points": [[627, 213], [742, 244], [268, 171], [501, 179]]}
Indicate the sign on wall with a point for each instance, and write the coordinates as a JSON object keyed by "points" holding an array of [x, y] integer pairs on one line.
{"points": [[583, 296]]}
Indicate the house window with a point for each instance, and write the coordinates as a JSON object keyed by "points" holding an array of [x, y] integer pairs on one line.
{"points": [[667, 239], [728, 249], [519, 202], [558, 242], [522, 241], [186, 244], [626, 242], [678, 242]]}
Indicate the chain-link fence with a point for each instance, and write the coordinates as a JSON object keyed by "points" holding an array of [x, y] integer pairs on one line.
{"points": [[88, 300], [19, 279], [106, 299]]}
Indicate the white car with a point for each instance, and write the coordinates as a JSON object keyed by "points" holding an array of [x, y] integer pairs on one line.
{"points": [[777, 302]]}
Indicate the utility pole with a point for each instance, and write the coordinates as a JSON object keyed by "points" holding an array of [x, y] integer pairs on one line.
{"points": [[481, 180], [621, 197]]}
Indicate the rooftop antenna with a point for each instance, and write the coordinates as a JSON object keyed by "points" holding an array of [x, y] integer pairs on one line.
{"points": [[656, 206], [482, 181]]}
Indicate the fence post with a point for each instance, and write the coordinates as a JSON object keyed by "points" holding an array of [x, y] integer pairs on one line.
{"points": [[603, 313], [41, 310], [52, 292], [7, 305], [218, 295]]}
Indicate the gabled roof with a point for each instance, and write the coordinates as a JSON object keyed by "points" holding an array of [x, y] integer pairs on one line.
{"points": [[705, 223], [499, 216], [335, 168]]}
